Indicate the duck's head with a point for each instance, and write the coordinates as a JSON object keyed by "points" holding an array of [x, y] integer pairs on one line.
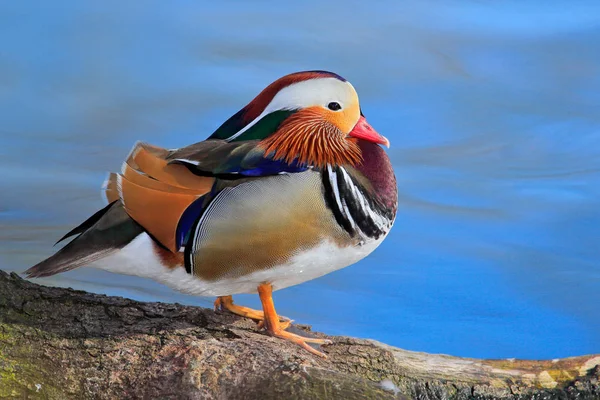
{"points": [[310, 117]]}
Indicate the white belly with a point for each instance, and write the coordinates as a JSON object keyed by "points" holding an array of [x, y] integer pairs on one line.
{"points": [[138, 259]]}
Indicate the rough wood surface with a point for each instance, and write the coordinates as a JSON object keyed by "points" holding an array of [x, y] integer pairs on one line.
{"points": [[64, 344]]}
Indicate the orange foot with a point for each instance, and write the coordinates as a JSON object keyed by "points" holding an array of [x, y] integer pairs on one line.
{"points": [[226, 303], [275, 328]]}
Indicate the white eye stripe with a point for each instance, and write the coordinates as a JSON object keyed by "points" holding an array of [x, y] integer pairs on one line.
{"points": [[312, 92], [309, 93]]}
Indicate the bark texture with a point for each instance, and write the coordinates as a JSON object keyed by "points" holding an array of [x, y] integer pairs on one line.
{"points": [[65, 344]]}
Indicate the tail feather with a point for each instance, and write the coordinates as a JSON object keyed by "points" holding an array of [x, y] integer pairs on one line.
{"points": [[148, 192], [85, 225], [102, 234], [111, 188]]}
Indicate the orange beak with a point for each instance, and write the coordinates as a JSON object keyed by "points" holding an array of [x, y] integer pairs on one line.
{"points": [[362, 130]]}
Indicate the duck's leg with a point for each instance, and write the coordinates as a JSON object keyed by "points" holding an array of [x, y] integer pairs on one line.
{"points": [[275, 328], [226, 303]]}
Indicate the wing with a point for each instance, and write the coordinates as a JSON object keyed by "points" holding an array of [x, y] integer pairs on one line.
{"points": [[223, 159], [154, 193], [166, 191]]}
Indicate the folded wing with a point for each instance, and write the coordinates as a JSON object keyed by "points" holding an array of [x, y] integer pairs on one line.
{"points": [[155, 193], [163, 190]]}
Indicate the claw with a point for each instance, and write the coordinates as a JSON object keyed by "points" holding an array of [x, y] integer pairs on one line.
{"points": [[275, 327], [226, 303]]}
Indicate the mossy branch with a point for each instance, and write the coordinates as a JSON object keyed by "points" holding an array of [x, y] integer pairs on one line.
{"points": [[65, 344]]}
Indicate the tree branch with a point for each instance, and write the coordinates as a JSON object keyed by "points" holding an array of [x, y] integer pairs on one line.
{"points": [[64, 344]]}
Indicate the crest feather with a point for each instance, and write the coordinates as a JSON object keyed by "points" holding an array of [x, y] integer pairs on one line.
{"points": [[260, 102]]}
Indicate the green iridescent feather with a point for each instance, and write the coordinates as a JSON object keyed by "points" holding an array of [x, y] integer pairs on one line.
{"points": [[262, 129]]}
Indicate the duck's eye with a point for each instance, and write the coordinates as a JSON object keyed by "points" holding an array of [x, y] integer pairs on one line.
{"points": [[334, 106]]}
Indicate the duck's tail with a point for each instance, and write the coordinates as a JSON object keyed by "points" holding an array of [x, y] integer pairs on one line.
{"points": [[101, 235]]}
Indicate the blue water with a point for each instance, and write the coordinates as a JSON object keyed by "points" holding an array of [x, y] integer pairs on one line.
{"points": [[492, 109]]}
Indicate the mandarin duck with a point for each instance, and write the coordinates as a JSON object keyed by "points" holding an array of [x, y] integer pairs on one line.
{"points": [[293, 186]]}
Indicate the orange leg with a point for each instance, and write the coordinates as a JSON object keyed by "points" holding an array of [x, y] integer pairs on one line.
{"points": [[226, 303], [274, 327]]}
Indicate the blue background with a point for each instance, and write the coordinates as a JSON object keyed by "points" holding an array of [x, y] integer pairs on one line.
{"points": [[492, 109]]}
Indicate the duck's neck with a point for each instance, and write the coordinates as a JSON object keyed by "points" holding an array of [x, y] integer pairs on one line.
{"points": [[377, 169]]}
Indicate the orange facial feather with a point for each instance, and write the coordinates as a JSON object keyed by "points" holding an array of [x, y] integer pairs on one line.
{"points": [[309, 138]]}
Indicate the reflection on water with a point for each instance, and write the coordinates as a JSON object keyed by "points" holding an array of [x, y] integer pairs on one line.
{"points": [[492, 111]]}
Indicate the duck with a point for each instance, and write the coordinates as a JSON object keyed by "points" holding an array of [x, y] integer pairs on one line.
{"points": [[293, 186]]}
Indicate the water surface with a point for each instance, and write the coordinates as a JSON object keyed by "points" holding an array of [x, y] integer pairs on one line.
{"points": [[491, 109]]}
